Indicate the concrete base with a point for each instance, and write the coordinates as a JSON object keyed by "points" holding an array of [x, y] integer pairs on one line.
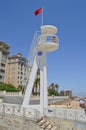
{"points": [[16, 123], [64, 124]]}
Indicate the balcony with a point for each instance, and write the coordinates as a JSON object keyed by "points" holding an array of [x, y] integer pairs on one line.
{"points": [[48, 43]]}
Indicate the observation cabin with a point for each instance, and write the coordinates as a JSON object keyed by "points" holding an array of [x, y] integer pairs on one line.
{"points": [[48, 39]]}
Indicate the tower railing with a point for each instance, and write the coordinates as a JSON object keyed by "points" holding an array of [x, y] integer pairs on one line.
{"points": [[52, 39]]}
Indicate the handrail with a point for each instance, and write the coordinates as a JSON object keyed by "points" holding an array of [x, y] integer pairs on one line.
{"points": [[32, 51], [45, 38]]}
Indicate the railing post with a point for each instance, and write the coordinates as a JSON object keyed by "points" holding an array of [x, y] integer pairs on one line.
{"points": [[75, 115], [4, 92], [24, 112], [37, 115], [13, 110], [55, 112], [65, 114], [3, 109]]}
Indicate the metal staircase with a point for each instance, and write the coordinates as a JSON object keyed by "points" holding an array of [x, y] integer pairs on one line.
{"points": [[34, 44], [32, 61]]}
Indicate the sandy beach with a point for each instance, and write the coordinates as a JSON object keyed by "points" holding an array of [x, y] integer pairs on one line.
{"points": [[71, 104]]}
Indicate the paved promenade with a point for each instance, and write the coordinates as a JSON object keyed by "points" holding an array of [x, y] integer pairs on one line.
{"points": [[33, 100]]}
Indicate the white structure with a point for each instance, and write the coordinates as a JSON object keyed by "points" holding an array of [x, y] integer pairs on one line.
{"points": [[47, 41]]}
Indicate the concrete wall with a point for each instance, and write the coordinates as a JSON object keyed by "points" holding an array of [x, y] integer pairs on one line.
{"points": [[16, 123], [13, 123], [64, 124], [4, 93]]}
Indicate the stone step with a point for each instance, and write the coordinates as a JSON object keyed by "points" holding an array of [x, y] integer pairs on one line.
{"points": [[49, 127], [41, 122], [54, 128], [45, 124]]}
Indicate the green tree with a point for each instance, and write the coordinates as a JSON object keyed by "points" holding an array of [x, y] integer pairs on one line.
{"points": [[53, 90], [36, 84], [52, 86], [56, 86], [8, 88], [21, 87]]}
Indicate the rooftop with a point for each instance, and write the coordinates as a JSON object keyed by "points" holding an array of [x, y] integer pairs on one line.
{"points": [[3, 44]]}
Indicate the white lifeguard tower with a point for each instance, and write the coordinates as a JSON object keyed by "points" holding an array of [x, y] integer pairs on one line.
{"points": [[46, 41]]}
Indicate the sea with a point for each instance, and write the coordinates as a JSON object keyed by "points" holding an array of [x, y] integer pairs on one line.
{"points": [[80, 94]]}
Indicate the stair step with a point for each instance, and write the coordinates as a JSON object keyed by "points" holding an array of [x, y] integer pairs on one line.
{"points": [[45, 124], [41, 122], [54, 128], [49, 127]]}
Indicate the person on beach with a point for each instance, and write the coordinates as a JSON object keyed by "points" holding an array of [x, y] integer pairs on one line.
{"points": [[54, 39]]}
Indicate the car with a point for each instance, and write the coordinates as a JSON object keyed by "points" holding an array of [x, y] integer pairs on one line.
{"points": [[82, 103]]}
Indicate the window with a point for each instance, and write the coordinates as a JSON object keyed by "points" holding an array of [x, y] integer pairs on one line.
{"points": [[2, 64], [2, 71], [0, 77]]}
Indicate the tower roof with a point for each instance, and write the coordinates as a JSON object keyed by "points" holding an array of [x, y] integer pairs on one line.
{"points": [[49, 29]]}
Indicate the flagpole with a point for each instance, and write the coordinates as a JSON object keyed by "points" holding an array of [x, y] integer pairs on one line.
{"points": [[42, 16]]}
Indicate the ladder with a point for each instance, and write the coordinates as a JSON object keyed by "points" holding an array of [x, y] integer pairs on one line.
{"points": [[34, 44]]}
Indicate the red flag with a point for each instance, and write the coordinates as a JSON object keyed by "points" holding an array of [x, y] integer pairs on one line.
{"points": [[38, 11]]}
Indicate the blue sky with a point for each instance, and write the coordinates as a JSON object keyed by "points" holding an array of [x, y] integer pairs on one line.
{"points": [[67, 65]]}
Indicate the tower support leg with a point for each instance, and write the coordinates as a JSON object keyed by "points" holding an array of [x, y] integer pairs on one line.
{"points": [[30, 85]]}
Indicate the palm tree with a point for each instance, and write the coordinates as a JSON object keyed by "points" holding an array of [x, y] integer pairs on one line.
{"points": [[53, 89], [56, 86], [52, 86], [36, 85]]}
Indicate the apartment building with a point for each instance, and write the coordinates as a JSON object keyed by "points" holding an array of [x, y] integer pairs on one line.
{"points": [[66, 93], [17, 70], [4, 52]]}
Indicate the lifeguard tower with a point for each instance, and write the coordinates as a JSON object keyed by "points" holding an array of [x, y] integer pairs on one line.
{"points": [[45, 41]]}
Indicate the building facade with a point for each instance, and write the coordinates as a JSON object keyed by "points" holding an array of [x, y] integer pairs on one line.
{"points": [[66, 93], [4, 52], [17, 70]]}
